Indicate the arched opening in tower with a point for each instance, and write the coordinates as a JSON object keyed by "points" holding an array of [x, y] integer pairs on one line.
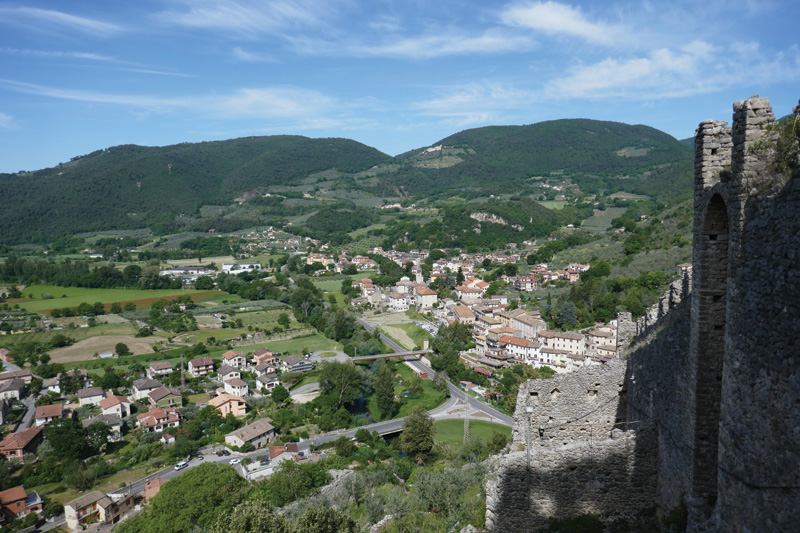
{"points": [[712, 292]]}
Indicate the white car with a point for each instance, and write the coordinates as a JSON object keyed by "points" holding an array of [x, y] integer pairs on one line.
{"points": [[235, 461]]}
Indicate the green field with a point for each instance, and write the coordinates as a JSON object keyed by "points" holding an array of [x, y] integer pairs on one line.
{"points": [[78, 334], [328, 285], [73, 296], [312, 343], [600, 221], [552, 204], [452, 431]]}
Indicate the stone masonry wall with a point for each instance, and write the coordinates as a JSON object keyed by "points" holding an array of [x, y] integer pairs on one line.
{"points": [[582, 405], [614, 476]]}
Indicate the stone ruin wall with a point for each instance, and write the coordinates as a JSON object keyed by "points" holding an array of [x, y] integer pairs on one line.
{"points": [[711, 392]]}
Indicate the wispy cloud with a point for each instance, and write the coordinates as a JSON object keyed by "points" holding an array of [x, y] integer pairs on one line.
{"points": [[271, 102], [474, 104], [274, 102], [249, 18], [250, 57], [55, 54], [446, 42], [6, 121], [552, 18], [696, 68], [26, 15]]}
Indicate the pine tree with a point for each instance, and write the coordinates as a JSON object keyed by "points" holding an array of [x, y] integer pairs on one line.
{"points": [[384, 391]]}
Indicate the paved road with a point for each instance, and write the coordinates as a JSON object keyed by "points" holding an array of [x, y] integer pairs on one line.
{"points": [[305, 389], [476, 405]]}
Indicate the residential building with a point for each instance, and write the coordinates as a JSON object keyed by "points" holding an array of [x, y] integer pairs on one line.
{"points": [[266, 368], [267, 381], [525, 283], [571, 341], [164, 397], [98, 507], [262, 356], [47, 413], [397, 302], [16, 503], [152, 487], [236, 387], [292, 363], [237, 268], [24, 374], [229, 404], [159, 369], [143, 387], [463, 314], [260, 433], [425, 297], [234, 359], [201, 366], [113, 404], [12, 389], [91, 396], [159, 419], [16, 445], [283, 452], [227, 373], [113, 421], [467, 293], [529, 325]]}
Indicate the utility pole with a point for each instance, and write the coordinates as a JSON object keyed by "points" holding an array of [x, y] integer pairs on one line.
{"points": [[466, 425]]}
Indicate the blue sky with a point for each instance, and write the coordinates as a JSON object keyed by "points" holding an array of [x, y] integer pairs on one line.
{"points": [[81, 75]]}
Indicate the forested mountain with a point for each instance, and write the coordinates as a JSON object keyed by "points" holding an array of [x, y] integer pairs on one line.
{"points": [[135, 186], [592, 154], [164, 188]]}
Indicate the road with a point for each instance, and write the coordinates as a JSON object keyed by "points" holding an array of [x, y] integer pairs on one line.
{"points": [[476, 406]]}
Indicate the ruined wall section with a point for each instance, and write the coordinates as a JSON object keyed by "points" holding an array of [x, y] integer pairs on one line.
{"points": [[614, 477], [582, 405]]}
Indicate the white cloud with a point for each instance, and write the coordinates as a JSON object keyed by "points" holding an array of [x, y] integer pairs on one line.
{"points": [[552, 18], [475, 104], [249, 18], [57, 18], [441, 44], [6, 121], [250, 57], [48, 53], [696, 68], [273, 102]]}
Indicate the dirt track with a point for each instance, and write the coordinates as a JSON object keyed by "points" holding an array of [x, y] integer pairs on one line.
{"points": [[84, 350]]}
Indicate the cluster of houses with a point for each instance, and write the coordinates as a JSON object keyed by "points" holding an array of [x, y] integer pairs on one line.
{"points": [[504, 338], [189, 274]]}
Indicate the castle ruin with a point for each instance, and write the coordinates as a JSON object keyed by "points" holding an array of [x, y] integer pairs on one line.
{"points": [[700, 419]]}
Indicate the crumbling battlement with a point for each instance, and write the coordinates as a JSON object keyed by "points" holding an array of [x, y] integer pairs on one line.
{"points": [[711, 391]]}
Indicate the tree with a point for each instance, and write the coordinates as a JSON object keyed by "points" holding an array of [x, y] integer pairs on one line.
{"points": [[384, 391], [344, 447], [414, 386], [115, 308], [417, 438], [251, 517], [342, 381], [199, 496], [283, 320], [279, 394], [67, 437], [129, 306], [122, 349], [325, 520], [204, 283], [97, 435]]}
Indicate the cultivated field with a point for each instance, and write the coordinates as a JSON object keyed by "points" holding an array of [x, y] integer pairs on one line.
{"points": [[601, 220], [84, 350], [73, 296]]}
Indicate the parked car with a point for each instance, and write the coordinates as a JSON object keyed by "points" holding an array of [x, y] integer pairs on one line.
{"points": [[235, 461], [219, 453], [226, 453], [181, 465]]}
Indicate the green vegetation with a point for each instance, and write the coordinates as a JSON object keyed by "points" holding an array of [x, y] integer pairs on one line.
{"points": [[452, 431]]}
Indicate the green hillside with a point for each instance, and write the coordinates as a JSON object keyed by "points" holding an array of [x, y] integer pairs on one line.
{"points": [[132, 186], [327, 187], [593, 155]]}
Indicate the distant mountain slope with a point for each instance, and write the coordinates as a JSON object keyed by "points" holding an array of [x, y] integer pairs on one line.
{"points": [[589, 152], [132, 186]]}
